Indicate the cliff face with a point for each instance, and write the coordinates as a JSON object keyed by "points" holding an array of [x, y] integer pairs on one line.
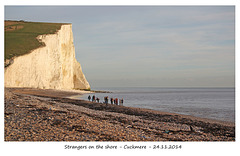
{"points": [[53, 66]]}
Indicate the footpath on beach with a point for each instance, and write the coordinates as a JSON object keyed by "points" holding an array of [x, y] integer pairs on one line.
{"points": [[47, 115]]}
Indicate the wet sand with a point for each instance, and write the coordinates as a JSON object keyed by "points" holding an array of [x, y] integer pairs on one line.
{"points": [[48, 115]]}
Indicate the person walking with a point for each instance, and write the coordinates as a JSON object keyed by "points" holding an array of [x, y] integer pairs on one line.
{"points": [[111, 100], [121, 102], [98, 100], [116, 101], [93, 98], [107, 100], [89, 97], [104, 99]]}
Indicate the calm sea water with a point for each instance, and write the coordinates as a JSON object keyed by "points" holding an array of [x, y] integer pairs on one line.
{"points": [[212, 103]]}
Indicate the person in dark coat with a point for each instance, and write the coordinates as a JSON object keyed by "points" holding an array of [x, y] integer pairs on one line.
{"points": [[121, 102], [93, 98], [107, 100], [97, 100]]}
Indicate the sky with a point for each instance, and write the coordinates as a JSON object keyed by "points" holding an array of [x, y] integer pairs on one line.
{"points": [[147, 46]]}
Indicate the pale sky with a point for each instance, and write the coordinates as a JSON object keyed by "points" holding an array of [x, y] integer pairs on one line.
{"points": [[156, 46]]}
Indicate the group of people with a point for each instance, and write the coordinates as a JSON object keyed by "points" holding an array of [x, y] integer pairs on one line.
{"points": [[94, 99], [115, 101]]}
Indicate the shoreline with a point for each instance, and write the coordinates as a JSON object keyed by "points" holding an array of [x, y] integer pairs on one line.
{"points": [[70, 94], [131, 122], [196, 117], [167, 113], [49, 92]]}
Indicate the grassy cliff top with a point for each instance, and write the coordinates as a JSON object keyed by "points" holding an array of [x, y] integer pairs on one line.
{"points": [[21, 37]]}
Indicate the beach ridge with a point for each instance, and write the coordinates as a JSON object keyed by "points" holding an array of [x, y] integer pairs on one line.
{"points": [[48, 115]]}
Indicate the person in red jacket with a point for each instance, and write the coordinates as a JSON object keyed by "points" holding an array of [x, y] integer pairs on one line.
{"points": [[116, 101]]}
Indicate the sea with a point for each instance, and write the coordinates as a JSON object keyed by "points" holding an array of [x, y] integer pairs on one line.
{"points": [[211, 103]]}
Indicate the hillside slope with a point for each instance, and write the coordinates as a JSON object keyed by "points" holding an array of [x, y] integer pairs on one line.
{"points": [[21, 37]]}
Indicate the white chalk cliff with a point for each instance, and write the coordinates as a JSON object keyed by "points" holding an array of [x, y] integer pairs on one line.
{"points": [[53, 66]]}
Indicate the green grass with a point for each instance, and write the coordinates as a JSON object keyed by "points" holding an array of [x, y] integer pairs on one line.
{"points": [[21, 41]]}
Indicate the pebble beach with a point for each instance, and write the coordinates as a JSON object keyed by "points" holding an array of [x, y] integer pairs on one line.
{"points": [[49, 115]]}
